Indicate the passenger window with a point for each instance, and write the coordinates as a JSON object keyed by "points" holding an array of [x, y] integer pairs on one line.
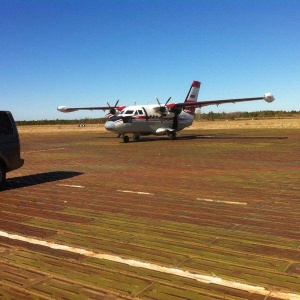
{"points": [[6, 127], [140, 112]]}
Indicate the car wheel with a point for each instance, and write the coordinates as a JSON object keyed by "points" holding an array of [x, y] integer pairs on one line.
{"points": [[2, 175]]}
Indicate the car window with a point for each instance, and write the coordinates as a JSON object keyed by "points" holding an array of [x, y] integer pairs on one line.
{"points": [[6, 127]]}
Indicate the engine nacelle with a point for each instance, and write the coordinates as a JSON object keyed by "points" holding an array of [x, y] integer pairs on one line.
{"points": [[113, 111], [168, 114], [269, 97]]}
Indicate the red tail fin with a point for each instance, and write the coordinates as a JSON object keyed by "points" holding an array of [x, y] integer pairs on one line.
{"points": [[192, 95]]}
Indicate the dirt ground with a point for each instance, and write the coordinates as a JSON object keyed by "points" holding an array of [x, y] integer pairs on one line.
{"points": [[242, 124], [214, 214]]}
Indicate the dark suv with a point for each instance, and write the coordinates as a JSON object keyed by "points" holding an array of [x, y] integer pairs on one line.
{"points": [[9, 146]]}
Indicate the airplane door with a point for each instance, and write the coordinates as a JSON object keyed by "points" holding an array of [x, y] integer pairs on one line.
{"points": [[147, 117]]}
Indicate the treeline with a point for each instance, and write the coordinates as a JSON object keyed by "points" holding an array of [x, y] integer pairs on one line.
{"points": [[62, 122], [211, 116]]}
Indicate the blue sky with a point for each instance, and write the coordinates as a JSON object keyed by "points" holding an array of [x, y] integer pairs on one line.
{"points": [[85, 53]]}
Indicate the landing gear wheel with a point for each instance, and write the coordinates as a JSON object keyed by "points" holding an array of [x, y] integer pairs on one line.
{"points": [[125, 138], [136, 137], [172, 135]]}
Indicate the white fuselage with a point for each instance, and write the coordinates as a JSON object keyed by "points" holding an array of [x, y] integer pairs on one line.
{"points": [[147, 119]]}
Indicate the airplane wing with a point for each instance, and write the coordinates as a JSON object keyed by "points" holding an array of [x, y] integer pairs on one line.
{"points": [[268, 97], [71, 109], [67, 109]]}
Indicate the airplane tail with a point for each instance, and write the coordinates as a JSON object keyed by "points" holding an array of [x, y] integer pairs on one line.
{"points": [[192, 95]]}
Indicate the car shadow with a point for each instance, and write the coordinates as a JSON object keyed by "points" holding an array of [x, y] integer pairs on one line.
{"points": [[29, 180]]}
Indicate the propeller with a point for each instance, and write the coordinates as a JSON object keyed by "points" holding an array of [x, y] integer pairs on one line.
{"points": [[113, 108], [162, 109]]}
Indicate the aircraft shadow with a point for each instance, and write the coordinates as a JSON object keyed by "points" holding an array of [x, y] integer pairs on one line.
{"points": [[29, 180], [209, 136], [236, 137]]}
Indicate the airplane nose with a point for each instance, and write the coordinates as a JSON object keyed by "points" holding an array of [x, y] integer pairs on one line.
{"points": [[110, 125]]}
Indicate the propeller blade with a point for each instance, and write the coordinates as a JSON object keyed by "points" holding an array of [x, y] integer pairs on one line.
{"points": [[116, 103], [168, 101], [158, 101]]}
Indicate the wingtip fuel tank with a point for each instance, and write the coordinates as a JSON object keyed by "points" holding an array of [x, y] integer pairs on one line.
{"points": [[65, 109], [269, 97]]}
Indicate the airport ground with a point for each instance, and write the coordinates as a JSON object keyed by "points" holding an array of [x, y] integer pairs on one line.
{"points": [[214, 214]]}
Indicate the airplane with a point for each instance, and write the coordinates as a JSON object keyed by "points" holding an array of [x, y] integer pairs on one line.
{"points": [[157, 119]]}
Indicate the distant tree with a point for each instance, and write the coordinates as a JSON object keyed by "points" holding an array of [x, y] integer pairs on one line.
{"points": [[211, 116], [62, 122]]}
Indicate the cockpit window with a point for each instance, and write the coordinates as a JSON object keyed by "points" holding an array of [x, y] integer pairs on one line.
{"points": [[128, 112], [131, 112]]}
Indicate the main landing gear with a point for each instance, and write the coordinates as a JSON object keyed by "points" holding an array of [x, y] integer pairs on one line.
{"points": [[172, 135], [136, 137], [125, 138]]}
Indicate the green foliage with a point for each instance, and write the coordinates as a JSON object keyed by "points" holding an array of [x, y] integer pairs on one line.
{"points": [[211, 116], [62, 122]]}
